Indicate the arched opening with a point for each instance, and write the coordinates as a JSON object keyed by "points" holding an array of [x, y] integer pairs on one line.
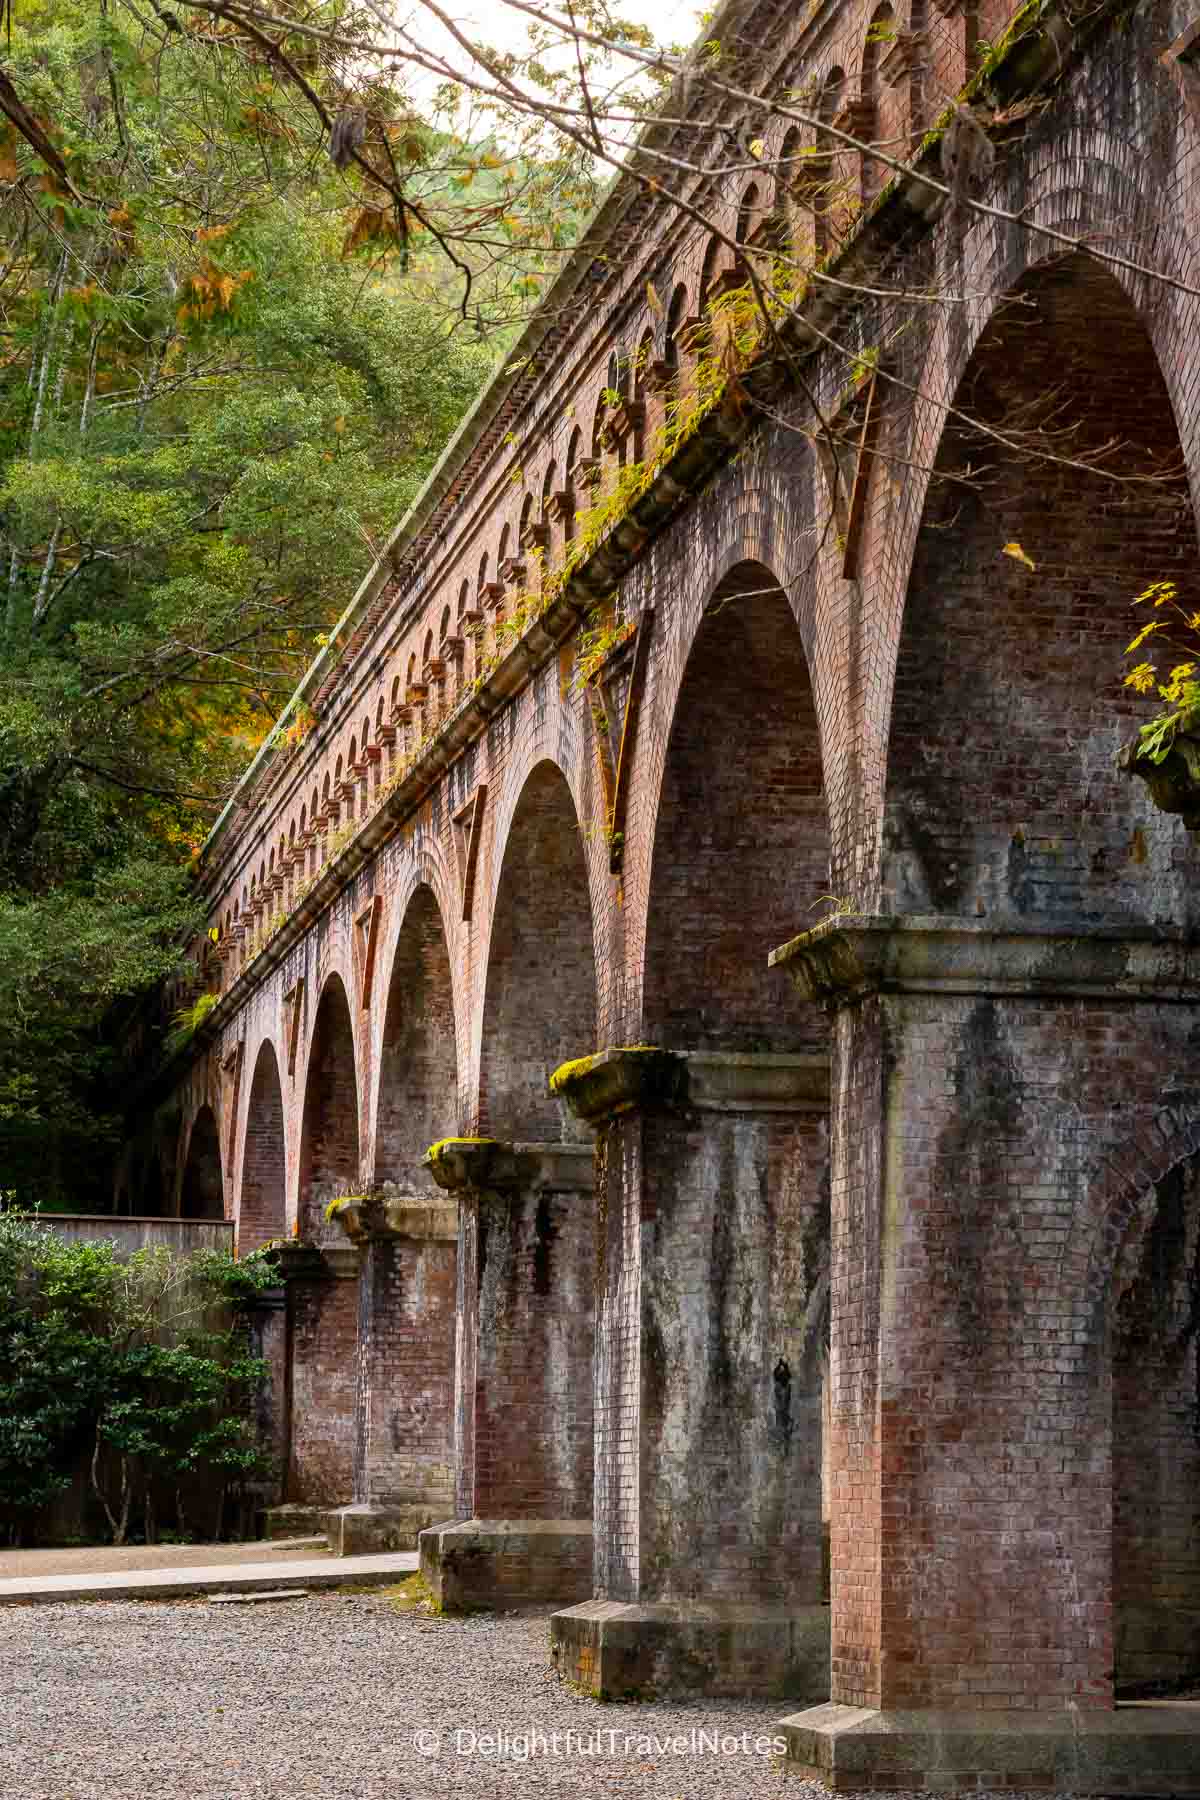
{"points": [[830, 166], [329, 1153], [418, 1070], [676, 313], [540, 1005], [741, 853], [880, 119], [324, 1313], [1008, 709], [262, 1211], [1156, 1450], [747, 217], [739, 1172], [202, 1195], [708, 269]]}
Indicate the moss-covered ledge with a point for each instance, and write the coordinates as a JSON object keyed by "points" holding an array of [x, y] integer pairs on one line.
{"points": [[852, 955], [598, 1087], [459, 1164], [364, 1217]]}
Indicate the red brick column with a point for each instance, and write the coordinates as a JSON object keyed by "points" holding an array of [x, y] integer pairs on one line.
{"points": [[322, 1322], [980, 1072], [523, 1407], [403, 1479], [712, 1268]]}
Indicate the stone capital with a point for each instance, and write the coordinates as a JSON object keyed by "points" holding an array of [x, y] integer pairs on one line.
{"points": [[486, 1165], [853, 955], [384, 1216], [599, 1088]]}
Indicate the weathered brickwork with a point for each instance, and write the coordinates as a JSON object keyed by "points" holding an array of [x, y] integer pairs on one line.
{"points": [[992, 1208]]}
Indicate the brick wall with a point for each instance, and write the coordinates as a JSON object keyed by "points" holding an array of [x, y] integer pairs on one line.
{"points": [[533, 1396], [732, 1340], [323, 1354], [262, 1214], [973, 1405], [406, 1352]]}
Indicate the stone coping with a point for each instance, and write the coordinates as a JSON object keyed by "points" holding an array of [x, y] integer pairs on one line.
{"points": [[482, 1165], [601, 1087], [851, 955]]}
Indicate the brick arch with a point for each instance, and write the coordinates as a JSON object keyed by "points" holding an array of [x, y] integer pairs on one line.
{"points": [[262, 1196], [741, 847], [417, 1083], [991, 262], [539, 1004], [1131, 1275], [1035, 819], [202, 1193], [329, 1132]]}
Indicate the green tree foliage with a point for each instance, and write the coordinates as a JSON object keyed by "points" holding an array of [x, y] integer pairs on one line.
{"points": [[125, 1370], [218, 392]]}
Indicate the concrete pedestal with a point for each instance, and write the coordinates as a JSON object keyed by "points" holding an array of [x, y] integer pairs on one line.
{"points": [[474, 1564], [619, 1651], [1141, 1749]]}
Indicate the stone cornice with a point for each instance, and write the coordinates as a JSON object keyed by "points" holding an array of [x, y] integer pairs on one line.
{"points": [[757, 1082], [599, 1088], [851, 956]]}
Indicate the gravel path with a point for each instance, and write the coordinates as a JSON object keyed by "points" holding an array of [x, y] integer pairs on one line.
{"points": [[325, 1698], [321, 1699]]}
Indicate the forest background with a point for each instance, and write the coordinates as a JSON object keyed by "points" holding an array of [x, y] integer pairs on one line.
{"points": [[228, 361]]}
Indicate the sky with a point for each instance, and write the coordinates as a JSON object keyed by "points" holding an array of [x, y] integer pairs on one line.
{"points": [[503, 27]]}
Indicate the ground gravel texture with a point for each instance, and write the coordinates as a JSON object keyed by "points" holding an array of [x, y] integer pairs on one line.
{"points": [[340, 1697]]}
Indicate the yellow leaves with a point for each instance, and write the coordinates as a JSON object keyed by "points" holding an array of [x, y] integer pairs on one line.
{"points": [[1161, 592], [212, 234], [1143, 634], [213, 290], [1018, 555], [653, 301], [1141, 679], [1176, 681], [339, 424], [8, 157], [371, 224]]}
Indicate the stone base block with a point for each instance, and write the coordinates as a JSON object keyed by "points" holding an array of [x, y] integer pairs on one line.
{"points": [[617, 1651], [364, 1530], [291, 1521], [1149, 1747], [474, 1564]]}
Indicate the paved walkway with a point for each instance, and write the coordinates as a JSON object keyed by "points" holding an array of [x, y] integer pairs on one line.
{"points": [[106, 1559], [136, 1580]]}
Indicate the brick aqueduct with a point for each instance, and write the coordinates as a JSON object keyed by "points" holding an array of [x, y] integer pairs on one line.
{"points": [[829, 1330]]}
